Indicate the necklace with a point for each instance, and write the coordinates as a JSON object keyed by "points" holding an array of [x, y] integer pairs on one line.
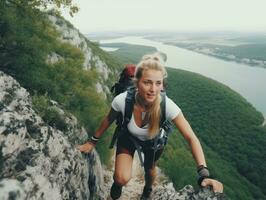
{"points": [[143, 114], [143, 109]]}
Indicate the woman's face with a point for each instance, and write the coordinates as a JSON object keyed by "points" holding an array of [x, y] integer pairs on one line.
{"points": [[150, 84]]}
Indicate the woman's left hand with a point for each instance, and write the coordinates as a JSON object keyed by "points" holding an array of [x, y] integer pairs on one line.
{"points": [[216, 185]]}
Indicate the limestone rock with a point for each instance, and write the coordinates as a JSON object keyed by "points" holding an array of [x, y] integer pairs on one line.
{"points": [[72, 35], [37, 161], [167, 191], [11, 189]]}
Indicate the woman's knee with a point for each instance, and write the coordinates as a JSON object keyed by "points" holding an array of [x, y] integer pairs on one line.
{"points": [[122, 178], [123, 168]]}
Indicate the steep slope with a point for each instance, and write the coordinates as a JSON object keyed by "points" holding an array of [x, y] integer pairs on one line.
{"points": [[39, 161], [38, 134], [53, 61]]}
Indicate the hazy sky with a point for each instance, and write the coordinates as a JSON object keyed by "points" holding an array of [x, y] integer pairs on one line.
{"points": [[179, 15]]}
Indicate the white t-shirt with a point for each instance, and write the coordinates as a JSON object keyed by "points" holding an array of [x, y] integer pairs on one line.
{"points": [[118, 104]]}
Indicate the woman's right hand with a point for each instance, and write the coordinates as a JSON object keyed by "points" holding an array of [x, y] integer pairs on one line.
{"points": [[216, 185], [86, 148]]}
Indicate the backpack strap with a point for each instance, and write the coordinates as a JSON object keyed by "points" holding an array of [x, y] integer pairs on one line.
{"points": [[129, 104], [121, 121], [163, 109], [164, 123]]}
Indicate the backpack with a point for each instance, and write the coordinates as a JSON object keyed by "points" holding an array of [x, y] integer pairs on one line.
{"points": [[165, 126], [125, 80]]}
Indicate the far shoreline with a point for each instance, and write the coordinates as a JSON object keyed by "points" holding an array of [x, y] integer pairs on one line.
{"points": [[244, 61]]}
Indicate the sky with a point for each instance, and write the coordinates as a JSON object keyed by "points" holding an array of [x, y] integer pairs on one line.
{"points": [[169, 15]]}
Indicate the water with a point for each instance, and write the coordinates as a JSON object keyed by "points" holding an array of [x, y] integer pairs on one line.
{"points": [[109, 48], [246, 80]]}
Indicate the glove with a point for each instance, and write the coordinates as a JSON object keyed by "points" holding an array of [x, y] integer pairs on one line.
{"points": [[203, 173]]}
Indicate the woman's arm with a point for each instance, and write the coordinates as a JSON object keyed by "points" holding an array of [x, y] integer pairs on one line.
{"points": [[182, 124], [107, 121]]}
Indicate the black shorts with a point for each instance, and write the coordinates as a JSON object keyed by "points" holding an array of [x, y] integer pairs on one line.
{"points": [[125, 145]]}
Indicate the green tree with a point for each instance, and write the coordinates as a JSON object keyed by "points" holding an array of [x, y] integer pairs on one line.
{"points": [[44, 4]]}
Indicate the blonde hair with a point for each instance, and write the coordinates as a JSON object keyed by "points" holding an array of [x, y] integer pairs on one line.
{"points": [[154, 62]]}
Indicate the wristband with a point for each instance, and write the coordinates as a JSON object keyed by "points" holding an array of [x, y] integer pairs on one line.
{"points": [[203, 173], [93, 140]]}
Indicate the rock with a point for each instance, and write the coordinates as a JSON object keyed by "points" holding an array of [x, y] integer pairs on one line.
{"points": [[72, 35], [166, 191], [37, 159], [11, 189], [53, 58]]}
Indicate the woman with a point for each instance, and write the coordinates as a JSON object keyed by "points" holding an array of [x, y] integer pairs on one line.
{"points": [[144, 125]]}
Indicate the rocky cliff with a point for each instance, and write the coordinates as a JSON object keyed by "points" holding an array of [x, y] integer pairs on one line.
{"points": [[38, 161], [71, 35]]}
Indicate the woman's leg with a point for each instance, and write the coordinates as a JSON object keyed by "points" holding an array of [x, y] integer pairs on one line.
{"points": [[150, 175], [123, 166], [122, 174], [150, 171]]}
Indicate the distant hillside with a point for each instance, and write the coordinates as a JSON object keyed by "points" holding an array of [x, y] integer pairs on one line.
{"points": [[250, 54], [128, 53], [228, 127]]}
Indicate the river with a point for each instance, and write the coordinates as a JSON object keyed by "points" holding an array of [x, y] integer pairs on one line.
{"points": [[246, 80]]}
